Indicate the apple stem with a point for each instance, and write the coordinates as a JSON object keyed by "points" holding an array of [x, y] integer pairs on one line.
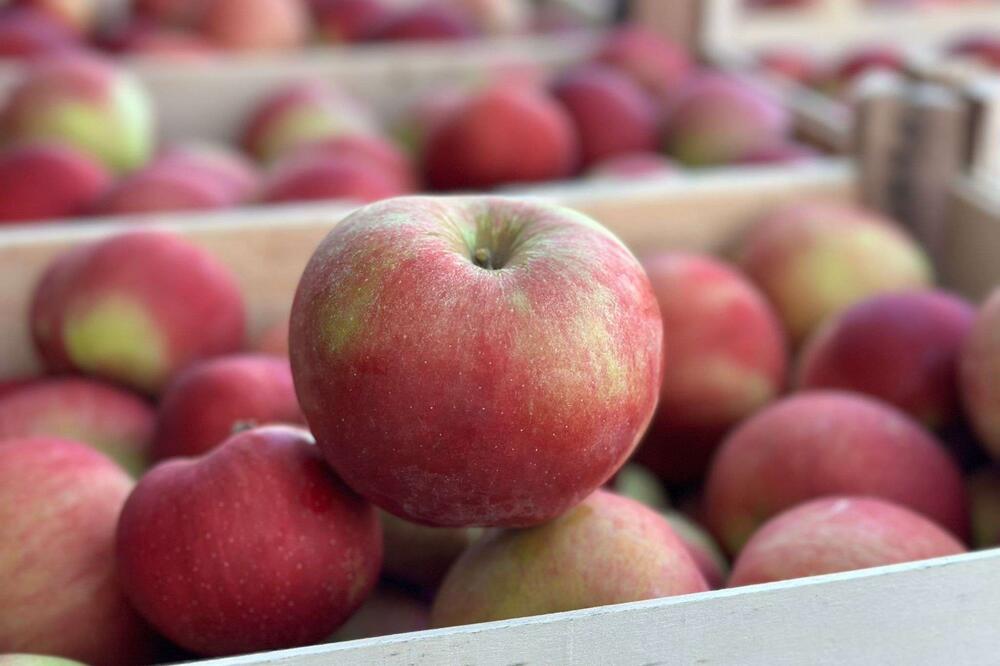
{"points": [[483, 258]]}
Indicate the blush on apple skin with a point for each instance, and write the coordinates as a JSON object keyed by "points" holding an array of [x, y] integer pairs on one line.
{"points": [[508, 419], [839, 533], [59, 503], [255, 546], [48, 181], [254, 25], [829, 443], [607, 550], [657, 64], [135, 308], [204, 404]]}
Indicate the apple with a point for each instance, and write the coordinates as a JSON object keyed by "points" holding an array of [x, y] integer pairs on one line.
{"points": [[47, 181], [428, 20], [419, 556], [135, 308], [218, 163], [630, 166], [160, 188], [254, 546], [725, 359], [85, 101], [902, 348], [205, 403], [839, 533], [339, 21], [59, 502], [607, 550], [701, 546], [113, 421], [654, 62], [316, 176], [513, 416], [828, 443], [611, 113], [500, 135], [25, 34], [79, 16], [389, 610], [254, 25]]}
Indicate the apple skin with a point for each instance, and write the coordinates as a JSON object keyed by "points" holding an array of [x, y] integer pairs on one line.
{"points": [[418, 555], [902, 348], [507, 420], [812, 259], [839, 533], [611, 113], [26, 34], [389, 610], [657, 64], [313, 176], [85, 101], [254, 25], [218, 585], [501, 135], [607, 550], [828, 443], [339, 21], [978, 367], [701, 546], [76, 15], [204, 403], [299, 114], [135, 308], [59, 503], [47, 181], [111, 420], [725, 359], [215, 162], [164, 188], [427, 21]]}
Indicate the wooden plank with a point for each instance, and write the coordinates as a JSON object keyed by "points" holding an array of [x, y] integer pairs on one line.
{"points": [[931, 612], [971, 240], [268, 247]]}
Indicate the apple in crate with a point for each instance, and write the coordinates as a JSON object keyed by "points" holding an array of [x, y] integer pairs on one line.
{"points": [[85, 101], [135, 308], [418, 555], [812, 259], [839, 533], [657, 64], [46, 181], [27, 34], [979, 368], [254, 25], [475, 360], [339, 21], [829, 443], [76, 15], [254, 546], [59, 503], [389, 610], [428, 20], [900, 347], [205, 403], [112, 420], [607, 550]]}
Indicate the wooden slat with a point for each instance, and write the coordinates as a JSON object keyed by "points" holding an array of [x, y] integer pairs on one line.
{"points": [[971, 240], [267, 248], [939, 611]]}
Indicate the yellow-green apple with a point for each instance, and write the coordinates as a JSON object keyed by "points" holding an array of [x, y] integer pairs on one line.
{"points": [[418, 555], [112, 420], [612, 114], [135, 308], [36, 660], [902, 348], [725, 359], [203, 405], [255, 546], [839, 533], [503, 134], [47, 181], [979, 374], [607, 550], [59, 503], [828, 443], [85, 101], [475, 360], [813, 259]]}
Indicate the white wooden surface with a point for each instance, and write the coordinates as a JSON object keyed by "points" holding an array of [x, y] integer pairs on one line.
{"points": [[941, 611], [972, 238], [267, 247]]}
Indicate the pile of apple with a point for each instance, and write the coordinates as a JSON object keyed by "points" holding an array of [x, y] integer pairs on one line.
{"points": [[192, 29], [78, 136], [480, 362]]}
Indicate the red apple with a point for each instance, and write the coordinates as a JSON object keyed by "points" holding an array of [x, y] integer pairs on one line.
{"points": [[163, 188], [828, 443], [254, 25], [839, 533], [656, 63], [612, 115], [340, 21], [902, 348], [317, 177], [607, 550], [28, 34], [793, 64], [169, 12], [215, 162], [509, 419], [504, 134], [135, 308], [630, 166], [863, 60], [429, 20], [164, 44], [76, 15], [370, 148], [59, 502], [725, 359], [255, 546], [702, 547], [48, 181], [111, 420], [202, 405]]}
